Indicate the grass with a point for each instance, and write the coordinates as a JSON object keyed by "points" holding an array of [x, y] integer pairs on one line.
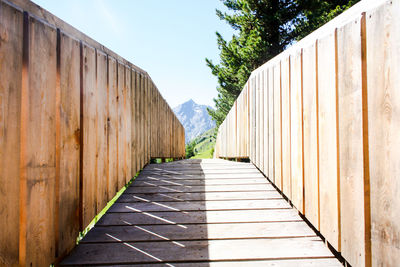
{"points": [[205, 145], [103, 211]]}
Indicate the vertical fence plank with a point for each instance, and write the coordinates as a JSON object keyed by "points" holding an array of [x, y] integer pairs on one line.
{"points": [[89, 134], [69, 143], [265, 122], [383, 124], [257, 109], [138, 122], [133, 123], [310, 116], [112, 133], [296, 130], [328, 149], [101, 132], [121, 125], [278, 126], [351, 143], [128, 123], [285, 76], [11, 25], [271, 125], [39, 152]]}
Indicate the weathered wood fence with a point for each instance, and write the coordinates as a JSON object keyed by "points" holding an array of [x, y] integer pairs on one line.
{"points": [[322, 121], [77, 122]]}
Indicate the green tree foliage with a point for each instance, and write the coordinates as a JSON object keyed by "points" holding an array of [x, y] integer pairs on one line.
{"points": [[264, 28], [190, 149]]}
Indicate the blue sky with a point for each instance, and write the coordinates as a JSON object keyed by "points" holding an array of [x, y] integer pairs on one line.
{"points": [[170, 39]]}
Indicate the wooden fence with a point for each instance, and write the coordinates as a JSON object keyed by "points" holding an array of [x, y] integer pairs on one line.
{"points": [[322, 122], [77, 122]]}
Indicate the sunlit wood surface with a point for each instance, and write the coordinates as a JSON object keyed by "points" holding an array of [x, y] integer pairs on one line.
{"points": [[201, 213]]}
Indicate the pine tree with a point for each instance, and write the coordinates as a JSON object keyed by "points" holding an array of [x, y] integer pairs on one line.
{"points": [[264, 29]]}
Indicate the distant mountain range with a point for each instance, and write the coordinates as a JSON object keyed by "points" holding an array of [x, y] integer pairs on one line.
{"points": [[194, 118]]}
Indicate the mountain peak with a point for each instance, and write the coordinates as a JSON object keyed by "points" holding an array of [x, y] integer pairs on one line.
{"points": [[194, 118]]}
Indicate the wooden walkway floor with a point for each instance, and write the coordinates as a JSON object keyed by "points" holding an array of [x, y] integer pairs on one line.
{"points": [[201, 213]]}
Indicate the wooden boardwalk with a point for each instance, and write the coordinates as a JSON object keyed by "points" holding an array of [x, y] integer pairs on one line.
{"points": [[201, 213]]}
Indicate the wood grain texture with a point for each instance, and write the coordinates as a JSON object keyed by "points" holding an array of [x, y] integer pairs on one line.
{"points": [[11, 21], [271, 125], [101, 131], [351, 143], [296, 130], [89, 135], [383, 94], [310, 118], [69, 143], [121, 137], [128, 124], [39, 153], [277, 127], [328, 147], [112, 128], [59, 159], [193, 228], [286, 123]]}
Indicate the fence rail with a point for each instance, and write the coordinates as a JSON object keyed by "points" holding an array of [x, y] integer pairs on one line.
{"points": [[77, 122], [322, 122]]}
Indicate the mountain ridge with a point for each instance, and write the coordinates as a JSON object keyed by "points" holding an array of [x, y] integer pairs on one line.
{"points": [[194, 118]]}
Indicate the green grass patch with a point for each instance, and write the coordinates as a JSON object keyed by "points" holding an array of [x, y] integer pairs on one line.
{"points": [[204, 145], [103, 211]]}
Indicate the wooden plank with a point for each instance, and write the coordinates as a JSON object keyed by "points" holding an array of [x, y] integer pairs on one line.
{"points": [[101, 131], [257, 108], [138, 197], [129, 233], [11, 34], [381, 127], [296, 130], [196, 217], [271, 125], [201, 205], [69, 144], [142, 121], [89, 135], [137, 120], [277, 127], [328, 147], [128, 124], [265, 122], [134, 168], [310, 122], [112, 133], [286, 149], [351, 143], [196, 188], [307, 247], [156, 181], [121, 125], [38, 150], [148, 113], [328, 262], [261, 120], [202, 176]]}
